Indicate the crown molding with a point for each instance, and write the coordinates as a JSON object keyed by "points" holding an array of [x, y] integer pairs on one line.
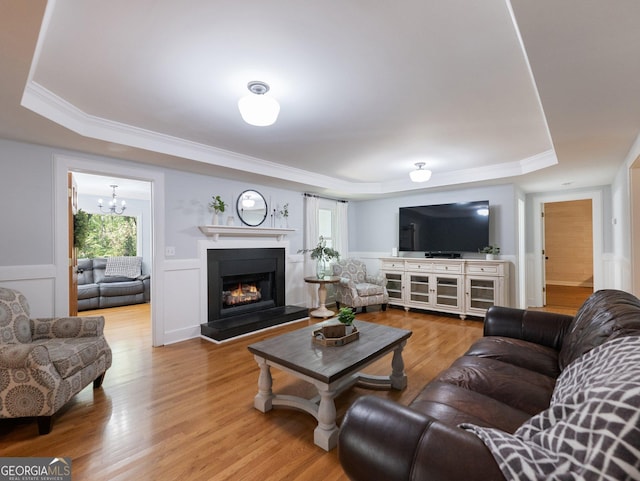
{"points": [[45, 103]]}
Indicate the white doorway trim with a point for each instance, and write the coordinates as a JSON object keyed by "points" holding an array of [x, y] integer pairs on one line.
{"points": [[538, 264], [634, 221], [521, 289], [66, 163]]}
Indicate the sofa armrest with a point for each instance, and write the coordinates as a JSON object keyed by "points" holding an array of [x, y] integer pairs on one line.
{"points": [[24, 356], [347, 286], [381, 439], [379, 280], [67, 327], [545, 328]]}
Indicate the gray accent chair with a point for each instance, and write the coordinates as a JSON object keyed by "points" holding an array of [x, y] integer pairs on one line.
{"points": [[45, 362], [356, 288]]}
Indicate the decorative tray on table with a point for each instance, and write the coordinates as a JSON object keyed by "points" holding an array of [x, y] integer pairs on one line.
{"points": [[334, 335]]}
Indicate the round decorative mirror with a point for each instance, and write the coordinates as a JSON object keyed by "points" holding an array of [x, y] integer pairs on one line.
{"points": [[252, 208]]}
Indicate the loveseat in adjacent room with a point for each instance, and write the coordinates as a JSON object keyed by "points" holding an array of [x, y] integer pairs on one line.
{"points": [[111, 282]]}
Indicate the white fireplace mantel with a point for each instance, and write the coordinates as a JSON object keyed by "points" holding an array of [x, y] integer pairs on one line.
{"points": [[217, 231]]}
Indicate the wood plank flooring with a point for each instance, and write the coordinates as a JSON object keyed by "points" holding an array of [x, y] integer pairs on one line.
{"points": [[185, 411]]}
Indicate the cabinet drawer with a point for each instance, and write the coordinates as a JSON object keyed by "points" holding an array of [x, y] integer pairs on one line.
{"points": [[449, 268], [483, 269], [393, 265], [418, 266]]}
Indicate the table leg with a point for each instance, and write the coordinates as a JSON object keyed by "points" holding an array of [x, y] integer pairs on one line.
{"points": [[322, 311], [264, 399], [326, 434], [398, 376]]}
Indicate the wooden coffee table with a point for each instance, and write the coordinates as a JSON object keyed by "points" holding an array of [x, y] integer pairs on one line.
{"points": [[330, 369]]}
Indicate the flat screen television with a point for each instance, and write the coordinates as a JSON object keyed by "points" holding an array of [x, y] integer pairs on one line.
{"points": [[446, 229]]}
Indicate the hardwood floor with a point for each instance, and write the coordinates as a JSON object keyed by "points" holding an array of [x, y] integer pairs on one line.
{"points": [[185, 411]]}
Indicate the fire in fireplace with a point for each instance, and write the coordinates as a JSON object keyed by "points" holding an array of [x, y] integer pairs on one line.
{"points": [[243, 294]]}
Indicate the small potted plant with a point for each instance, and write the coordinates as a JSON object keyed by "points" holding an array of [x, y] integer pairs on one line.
{"points": [[490, 252], [218, 206], [323, 255], [346, 317]]}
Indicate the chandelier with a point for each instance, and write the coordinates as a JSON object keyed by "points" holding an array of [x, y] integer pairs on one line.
{"points": [[257, 108], [112, 208]]}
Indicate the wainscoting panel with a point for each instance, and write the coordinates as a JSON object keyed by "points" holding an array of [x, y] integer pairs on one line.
{"points": [[36, 282], [182, 300]]}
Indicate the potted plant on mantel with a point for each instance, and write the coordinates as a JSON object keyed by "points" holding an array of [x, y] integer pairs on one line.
{"points": [[322, 254], [218, 206], [490, 252]]}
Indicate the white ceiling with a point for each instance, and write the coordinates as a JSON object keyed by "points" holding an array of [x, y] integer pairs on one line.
{"points": [[366, 89]]}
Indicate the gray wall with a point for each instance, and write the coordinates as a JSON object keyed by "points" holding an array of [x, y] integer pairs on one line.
{"points": [[26, 194], [373, 224], [186, 207]]}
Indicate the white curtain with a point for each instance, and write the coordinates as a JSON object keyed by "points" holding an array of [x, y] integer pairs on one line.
{"points": [[311, 206], [342, 229]]}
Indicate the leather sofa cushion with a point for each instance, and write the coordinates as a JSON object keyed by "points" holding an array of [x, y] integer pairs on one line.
{"points": [[114, 279], [521, 353], [514, 386], [87, 291], [121, 288], [455, 405], [606, 314]]}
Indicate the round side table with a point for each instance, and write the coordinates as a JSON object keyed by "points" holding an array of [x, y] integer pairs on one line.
{"points": [[322, 311]]}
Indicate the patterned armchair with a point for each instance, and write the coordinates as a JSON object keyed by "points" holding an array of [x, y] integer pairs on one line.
{"points": [[356, 288], [45, 362]]}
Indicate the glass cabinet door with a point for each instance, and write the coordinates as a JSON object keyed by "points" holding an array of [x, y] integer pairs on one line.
{"points": [[482, 293], [419, 288], [394, 286], [447, 291]]}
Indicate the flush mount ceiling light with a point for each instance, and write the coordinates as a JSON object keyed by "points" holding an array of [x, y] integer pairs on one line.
{"points": [[257, 108], [420, 174]]}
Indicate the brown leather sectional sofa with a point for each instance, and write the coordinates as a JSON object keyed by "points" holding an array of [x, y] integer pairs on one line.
{"points": [[503, 380]]}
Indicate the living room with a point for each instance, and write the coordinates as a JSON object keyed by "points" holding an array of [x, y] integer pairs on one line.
{"points": [[37, 154]]}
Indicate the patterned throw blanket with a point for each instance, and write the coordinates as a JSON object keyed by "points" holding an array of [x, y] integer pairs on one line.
{"points": [[591, 430], [123, 267]]}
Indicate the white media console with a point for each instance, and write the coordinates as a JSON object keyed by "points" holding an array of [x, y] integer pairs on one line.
{"points": [[467, 287]]}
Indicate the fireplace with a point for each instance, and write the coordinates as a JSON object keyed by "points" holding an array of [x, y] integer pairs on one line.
{"points": [[246, 292]]}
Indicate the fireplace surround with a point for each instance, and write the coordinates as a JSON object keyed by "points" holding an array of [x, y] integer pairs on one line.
{"points": [[246, 291]]}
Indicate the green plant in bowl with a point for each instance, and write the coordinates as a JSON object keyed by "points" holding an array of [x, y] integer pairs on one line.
{"points": [[346, 316]]}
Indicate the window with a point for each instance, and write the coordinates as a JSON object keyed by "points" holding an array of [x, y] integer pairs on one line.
{"points": [[110, 235], [326, 225]]}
